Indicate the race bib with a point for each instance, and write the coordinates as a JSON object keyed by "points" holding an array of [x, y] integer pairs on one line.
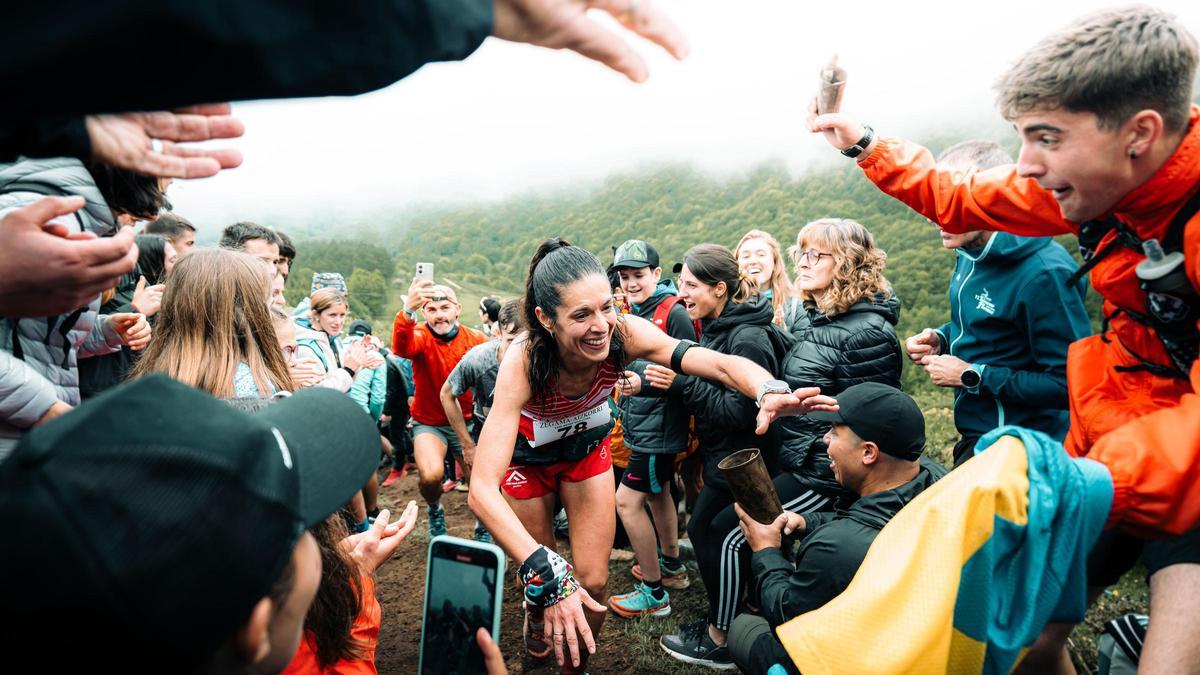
{"points": [[549, 431]]}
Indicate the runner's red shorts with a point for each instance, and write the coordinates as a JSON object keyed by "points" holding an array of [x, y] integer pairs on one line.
{"points": [[529, 481]]}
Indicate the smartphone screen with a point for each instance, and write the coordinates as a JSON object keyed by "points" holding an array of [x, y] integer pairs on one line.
{"points": [[462, 595]]}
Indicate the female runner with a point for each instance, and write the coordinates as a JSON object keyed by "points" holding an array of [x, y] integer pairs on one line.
{"points": [[548, 430]]}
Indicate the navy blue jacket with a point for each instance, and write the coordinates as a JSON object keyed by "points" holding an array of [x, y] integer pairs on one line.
{"points": [[1012, 315]]}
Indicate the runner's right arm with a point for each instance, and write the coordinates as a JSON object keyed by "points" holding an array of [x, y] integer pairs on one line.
{"points": [[455, 417]]}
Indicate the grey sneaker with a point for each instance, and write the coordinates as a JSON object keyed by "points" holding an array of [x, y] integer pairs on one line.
{"points": [[692, 645]]}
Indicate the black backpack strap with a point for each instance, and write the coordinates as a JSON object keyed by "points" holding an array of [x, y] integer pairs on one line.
{"points": [[1173, 241]]}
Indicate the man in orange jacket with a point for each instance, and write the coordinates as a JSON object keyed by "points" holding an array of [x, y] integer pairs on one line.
{"points": [[1110, 152], [435, 346]]}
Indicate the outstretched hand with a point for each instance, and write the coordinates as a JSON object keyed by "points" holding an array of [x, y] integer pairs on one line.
{"points": [[564, 24], [375, 546], [128, 140], [799, 402], [48, 269]]}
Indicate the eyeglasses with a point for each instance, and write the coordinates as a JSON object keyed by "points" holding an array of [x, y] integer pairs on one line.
{"points": [[812, 256]]}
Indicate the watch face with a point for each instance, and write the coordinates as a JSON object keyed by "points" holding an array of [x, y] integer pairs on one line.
{"points": [[970, 378]]}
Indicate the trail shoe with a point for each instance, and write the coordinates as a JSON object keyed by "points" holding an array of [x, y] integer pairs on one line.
{"points": [[640, 602], [391, 479], [481, 535], [672, 577], [437, 521], [693, 645], [560, 525], [535, 641]]}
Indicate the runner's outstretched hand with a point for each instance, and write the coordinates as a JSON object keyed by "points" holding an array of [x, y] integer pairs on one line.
{"points": [[799, 402], [566, 622], [564, 24]]}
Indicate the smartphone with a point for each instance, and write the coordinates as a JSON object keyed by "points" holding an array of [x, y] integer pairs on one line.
{"points": [[462, 594], [425, 271]]}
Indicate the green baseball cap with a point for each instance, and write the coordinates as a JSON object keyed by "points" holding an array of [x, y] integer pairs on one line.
{"points": [[635, 254]]}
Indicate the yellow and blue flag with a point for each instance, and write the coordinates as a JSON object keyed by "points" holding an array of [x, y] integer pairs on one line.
{"points": [[964, 578]]}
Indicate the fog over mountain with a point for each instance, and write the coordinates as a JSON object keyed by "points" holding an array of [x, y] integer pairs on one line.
{"points": [[515, 120]]}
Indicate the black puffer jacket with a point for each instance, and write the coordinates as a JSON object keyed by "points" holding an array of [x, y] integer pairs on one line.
{"points": [[834, 353], [656, 424], [725, 419]]}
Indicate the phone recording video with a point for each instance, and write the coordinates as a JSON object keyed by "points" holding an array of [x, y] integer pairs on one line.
{"points": [[462, 595]]}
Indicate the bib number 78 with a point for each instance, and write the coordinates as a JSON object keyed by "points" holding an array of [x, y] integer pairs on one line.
{"points": [[569, 430]]}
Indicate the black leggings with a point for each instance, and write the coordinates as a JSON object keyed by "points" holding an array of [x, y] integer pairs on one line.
{"points": [[721, 550]]}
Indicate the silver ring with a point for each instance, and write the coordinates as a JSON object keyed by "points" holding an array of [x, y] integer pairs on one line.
{"points": [[155, 145]]}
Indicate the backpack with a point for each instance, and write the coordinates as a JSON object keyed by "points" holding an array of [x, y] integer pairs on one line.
{"points": [[664, 310], [1171, 311]]}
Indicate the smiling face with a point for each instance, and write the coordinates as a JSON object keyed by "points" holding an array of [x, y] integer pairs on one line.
{"points": [[584, 321], [639, 283], [441, 315], [701, 300], [845, 456], [756, 259], [331, 320], [1087, 169]]}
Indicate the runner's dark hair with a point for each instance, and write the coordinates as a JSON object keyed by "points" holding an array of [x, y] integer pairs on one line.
{"points": [[556, 265]]}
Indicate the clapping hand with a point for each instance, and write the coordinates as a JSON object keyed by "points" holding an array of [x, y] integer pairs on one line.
{"points": [[375, 546], [145, 142]]}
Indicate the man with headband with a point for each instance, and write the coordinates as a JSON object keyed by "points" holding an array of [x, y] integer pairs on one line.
{"points": [[435, 346]]}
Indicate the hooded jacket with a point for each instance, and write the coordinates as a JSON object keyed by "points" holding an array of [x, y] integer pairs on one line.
{"points": [[653, 423], [833, 353], [39, 357], [725, 418], [1012, 316], [833, 547], [319, 347], [1144, 427]]}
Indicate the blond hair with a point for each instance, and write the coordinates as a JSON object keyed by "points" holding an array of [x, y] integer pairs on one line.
{"points": [[214, 316], [1112, 63], [858, 263], [323, 299], [779, 285]]}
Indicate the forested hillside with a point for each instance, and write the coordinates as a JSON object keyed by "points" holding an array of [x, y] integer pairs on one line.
{"points": [[673, 207]]}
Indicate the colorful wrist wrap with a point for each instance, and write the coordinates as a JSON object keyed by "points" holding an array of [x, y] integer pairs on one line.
{"points": [[546, 577]]}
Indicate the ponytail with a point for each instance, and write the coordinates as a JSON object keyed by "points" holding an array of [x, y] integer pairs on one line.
{"points": [[554, 266]]}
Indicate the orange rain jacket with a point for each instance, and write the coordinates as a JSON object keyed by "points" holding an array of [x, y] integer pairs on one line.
{"points": [[432, 359], [365, 632], [1145, 428]]}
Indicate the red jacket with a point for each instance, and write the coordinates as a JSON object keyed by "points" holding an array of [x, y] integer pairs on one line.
{"points": [[432, 359], [365, 631], [1145, 428]]}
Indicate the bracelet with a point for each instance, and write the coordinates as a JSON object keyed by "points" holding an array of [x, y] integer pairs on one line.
{"points": [[547, 578]]}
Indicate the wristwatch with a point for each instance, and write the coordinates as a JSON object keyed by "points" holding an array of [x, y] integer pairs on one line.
{"points": [[971, 378], [858, 148], [771, 387]]}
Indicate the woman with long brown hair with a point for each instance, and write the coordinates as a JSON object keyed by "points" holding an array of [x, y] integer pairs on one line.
{"points": [[214, 330], [760, 257]]}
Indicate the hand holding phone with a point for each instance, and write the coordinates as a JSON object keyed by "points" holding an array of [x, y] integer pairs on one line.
{"points": [[462, 595]]}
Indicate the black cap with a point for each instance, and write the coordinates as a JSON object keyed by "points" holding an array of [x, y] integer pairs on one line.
{"points": [[883, 415], [635, 254], [359, 327], [147, 523]]}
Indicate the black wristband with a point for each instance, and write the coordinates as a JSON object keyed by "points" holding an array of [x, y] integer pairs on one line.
{"points": [[348, 370], [677, 355], [858, 148]]}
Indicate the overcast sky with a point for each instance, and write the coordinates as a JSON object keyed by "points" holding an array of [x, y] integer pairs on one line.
{"points": [[514, 119]]}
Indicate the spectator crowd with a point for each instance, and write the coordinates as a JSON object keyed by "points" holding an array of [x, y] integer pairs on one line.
{"points": [[188, 459]]}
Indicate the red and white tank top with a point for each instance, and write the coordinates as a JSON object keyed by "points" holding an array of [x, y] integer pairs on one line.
{"points": [[556, 428]]}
